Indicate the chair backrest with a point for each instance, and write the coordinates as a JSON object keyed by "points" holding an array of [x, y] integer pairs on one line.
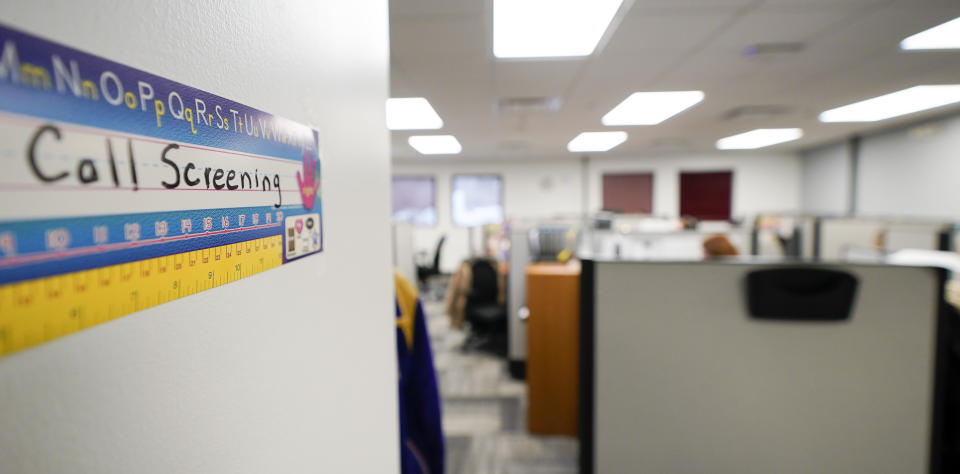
{"points": [[436, 254], [484, 282]]}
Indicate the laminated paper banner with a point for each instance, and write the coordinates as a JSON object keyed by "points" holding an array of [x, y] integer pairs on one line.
{"points": [[122, 190]]}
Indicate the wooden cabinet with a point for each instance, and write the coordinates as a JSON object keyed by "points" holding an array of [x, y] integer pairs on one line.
{"points": [[553, 298]]}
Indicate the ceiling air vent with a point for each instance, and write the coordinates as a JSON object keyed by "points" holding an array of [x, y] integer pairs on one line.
{"points": [[529, 105], [757, 112]]}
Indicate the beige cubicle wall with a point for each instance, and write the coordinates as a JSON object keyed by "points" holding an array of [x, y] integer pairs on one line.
{"points": [[924, 236], [784, 236], [850, 238], [839, 237], [517, 300], [678, 377], [404, 260], [671, 245]]}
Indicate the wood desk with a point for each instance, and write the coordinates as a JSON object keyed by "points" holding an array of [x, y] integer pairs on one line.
{"points": [[553, 298]]}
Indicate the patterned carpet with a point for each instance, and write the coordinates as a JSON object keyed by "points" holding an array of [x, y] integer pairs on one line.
{"points": [[484, 412]]}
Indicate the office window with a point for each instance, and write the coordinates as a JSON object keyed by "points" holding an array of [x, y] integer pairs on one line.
{"points": [[706, 196], [476, 200], [629, 192], [414, 200]]}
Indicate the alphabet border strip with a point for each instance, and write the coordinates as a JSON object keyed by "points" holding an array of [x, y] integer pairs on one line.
{"points": [[54, 85]]}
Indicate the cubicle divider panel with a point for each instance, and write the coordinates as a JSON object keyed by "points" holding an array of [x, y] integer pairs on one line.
{"points": [[686, 380], [808, 231], [912, 236], [586, 419], [853, 238], [516, 300], [403, 252], [840, 237]]}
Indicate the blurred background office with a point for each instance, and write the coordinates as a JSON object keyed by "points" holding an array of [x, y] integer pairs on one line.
{"points": [[528, 136], [653, 236]]}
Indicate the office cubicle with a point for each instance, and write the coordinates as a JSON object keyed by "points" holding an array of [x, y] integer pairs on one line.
{"points": [[404, 260], [949, 238], [682, 371], [917, 235], [783, 236], [520, 257], [868, 237], [530, 241], [652, 238]]}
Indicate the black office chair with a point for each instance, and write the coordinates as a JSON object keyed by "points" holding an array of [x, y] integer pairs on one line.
{"points": [[487, 317], [424, 272]]}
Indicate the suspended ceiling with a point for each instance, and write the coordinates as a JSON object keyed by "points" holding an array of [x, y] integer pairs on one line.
{"points": [[848, 51]]}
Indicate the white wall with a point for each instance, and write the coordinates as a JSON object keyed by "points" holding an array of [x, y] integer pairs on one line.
{"points": [[762, 182], [912, 172], [826, 180], [907, 172], [292, 370]]}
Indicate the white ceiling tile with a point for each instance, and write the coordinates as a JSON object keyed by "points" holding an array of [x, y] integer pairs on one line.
{"points": [[449, 76], [899, 70], [464, 36], [642, 4], [883, 29], [766, 25], [824, 4], [642, 31], [440, 51], [545, 78], [608, 79], [434, 8]]}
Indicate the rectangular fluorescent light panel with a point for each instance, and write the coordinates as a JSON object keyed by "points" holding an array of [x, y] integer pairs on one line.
{"points": [[651, 108], [596, 141], [412, 113], [759, 138], [550, 28], [945, 36], [435, 144], [895, 104]]}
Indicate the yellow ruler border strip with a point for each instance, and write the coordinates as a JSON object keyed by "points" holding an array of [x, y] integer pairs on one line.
{"points": [[36, 311]]}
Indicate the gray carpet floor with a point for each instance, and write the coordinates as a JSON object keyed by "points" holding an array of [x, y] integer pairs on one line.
{"points": [[484, 412]]}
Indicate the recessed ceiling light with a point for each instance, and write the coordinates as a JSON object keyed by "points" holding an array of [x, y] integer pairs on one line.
{"points": [[550, 28], [944, 36], [596, 141], [435, 144], [651, 108], [759, 138], [412, 113], [894, 104]]}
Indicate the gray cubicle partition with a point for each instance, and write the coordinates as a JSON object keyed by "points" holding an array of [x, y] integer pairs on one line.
{"points": [[517, 301], [793, 237], [403, 252], [678, 375], [839, 237]]}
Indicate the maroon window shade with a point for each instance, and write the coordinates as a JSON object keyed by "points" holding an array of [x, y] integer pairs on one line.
{"points": [[706, 196], [630, 193]]}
